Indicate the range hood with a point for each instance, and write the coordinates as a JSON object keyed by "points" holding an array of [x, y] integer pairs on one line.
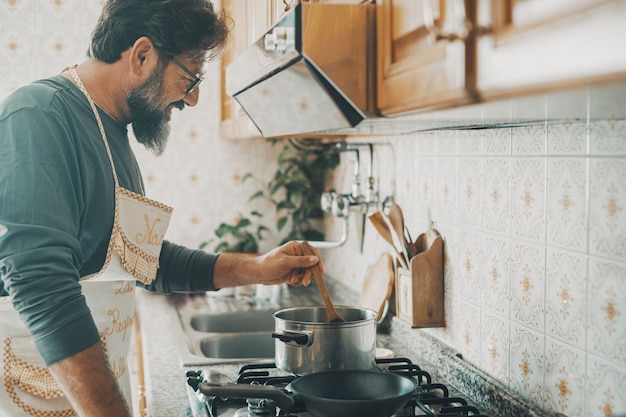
{"points": [[313, 71]]}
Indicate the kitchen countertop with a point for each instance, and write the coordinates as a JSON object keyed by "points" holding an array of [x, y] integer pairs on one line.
{"points": [[165, 383]]}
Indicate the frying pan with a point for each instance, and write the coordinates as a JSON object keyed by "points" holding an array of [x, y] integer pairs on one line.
{"points": [[357, 393]]}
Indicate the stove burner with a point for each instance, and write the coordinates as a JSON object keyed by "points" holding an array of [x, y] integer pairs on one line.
{"points": [[430, 399]]}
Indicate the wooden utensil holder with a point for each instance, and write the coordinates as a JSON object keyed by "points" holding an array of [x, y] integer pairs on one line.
{"points": [[419, 289]]}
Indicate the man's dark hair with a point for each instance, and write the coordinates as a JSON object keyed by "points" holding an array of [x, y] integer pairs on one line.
{"points": [[176, 27]]}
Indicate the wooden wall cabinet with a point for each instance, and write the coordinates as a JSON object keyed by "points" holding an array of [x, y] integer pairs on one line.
{"points": [[425, 57], [445, 53], [535, 46]]}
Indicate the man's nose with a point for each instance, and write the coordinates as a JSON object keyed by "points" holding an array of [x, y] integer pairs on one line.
{"points": [[191, 99]]}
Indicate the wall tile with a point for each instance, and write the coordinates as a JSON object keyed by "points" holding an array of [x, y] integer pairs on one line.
{"points": [[496, 268], [496, 211], [527, 363], [452, 264], [567, 139], [528, 284], [529, 140], [446, 204], [467, 337], [606, 310], [494, 348], [426, 144], [468, 265], [607, 137], [470, 142], [564, 378], [528, 186], [447, 141], [469, 192], [604, 394], [566, 298], [607, 208], [567, 203], [497, 142], [425, 184]]}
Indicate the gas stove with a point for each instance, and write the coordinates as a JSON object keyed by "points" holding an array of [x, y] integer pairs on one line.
{"points": [[429, 398]]}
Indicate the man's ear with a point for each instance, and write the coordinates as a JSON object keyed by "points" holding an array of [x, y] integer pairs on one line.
{"points": [[143, 58]]}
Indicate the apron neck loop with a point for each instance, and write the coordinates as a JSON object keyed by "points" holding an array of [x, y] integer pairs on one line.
{"points": [[81, 86]]}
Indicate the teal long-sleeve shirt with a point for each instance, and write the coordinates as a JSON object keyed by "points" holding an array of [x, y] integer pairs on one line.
{"points": [[56, 213]]}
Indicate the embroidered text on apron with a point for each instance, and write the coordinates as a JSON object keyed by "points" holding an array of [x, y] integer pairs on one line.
{"points": [[133, 254]]}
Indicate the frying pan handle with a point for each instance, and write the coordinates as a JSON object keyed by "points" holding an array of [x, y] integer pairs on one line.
{"points": [[283, 399], [294, 338]]}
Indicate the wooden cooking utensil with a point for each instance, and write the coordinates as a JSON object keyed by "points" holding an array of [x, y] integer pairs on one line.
{"points": [[378, 285], [396, 217], [380, 225], [333, 316]]}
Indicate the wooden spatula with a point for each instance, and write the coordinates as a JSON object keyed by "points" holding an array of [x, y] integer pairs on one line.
{"points": [[333, 316]]}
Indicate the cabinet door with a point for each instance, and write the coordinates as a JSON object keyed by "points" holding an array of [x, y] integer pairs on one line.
{"points": [[425, 59], [538, 45], [251, 19]]}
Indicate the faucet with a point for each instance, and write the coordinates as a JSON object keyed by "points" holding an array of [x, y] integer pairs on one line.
{"points": [[356, 202]]}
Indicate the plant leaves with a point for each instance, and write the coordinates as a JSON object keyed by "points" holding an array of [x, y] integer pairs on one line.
{"points": [[281, 223], [258, 194]]}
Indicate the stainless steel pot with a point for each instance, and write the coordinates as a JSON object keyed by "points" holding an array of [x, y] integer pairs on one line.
{"points": [[307, 343]]}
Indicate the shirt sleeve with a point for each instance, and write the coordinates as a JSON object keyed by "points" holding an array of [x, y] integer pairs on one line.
{"points": [[183, 270], [40, 215]]}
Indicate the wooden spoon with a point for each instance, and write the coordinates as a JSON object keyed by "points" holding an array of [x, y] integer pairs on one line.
{"points": [[396, 217], [333, 316], [380, 225]]}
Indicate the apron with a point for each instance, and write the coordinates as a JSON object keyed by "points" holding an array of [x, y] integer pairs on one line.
{"points": [[133, 254]]}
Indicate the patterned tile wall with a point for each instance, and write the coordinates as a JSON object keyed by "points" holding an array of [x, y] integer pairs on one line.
{"points": [[534, 219]]}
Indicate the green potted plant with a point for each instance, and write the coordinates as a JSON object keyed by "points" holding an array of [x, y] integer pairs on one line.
{"points": [[243, 236], [294, 190]]}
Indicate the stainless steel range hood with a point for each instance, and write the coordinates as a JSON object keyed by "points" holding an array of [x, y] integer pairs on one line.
{"points": [[313, 71]]}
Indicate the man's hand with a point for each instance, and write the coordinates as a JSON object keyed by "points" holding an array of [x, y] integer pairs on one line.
{"points": [[287, 263]]}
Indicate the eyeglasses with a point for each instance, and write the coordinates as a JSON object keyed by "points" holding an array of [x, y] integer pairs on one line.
{"points": [[196, 79]]}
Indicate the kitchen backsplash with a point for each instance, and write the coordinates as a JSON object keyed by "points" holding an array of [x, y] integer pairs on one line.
{"points": [[534, 219], [534, 222]]}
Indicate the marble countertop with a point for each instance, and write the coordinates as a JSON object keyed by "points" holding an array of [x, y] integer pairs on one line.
{"points": [[167, 394]]}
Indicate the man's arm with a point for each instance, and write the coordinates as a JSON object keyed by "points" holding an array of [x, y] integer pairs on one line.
{"points": [[40, 218], [190, 270], [286, 263], [89, 384]]}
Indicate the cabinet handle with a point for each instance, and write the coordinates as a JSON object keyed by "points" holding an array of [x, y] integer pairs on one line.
{"points": [[437, 33], [432, 14]]}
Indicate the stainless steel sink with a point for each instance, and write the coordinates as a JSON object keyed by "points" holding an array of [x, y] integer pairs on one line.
{"points": [[235, 321], [212, 329], [239, 346]]}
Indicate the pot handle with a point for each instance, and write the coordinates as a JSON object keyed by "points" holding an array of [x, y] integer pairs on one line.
{"points": [[282, 398], [294, 338]]}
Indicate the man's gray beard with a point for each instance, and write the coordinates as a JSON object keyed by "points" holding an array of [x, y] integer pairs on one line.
{"points": [[150, 124], [152, 134]]}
